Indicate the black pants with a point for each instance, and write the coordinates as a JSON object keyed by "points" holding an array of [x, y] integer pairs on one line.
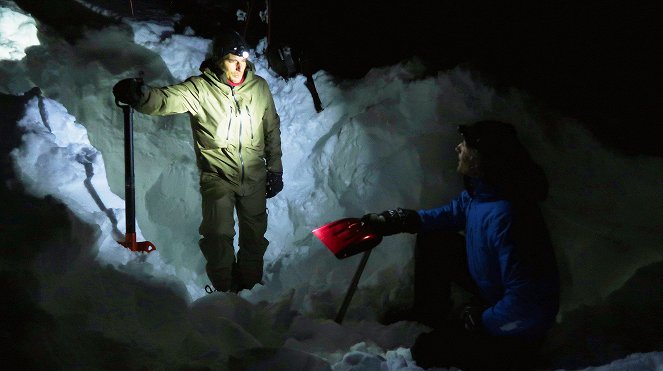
{"points": [[440, 259], [219, 203]]}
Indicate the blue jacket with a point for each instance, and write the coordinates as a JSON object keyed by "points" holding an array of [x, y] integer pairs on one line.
{"points": [[510, 258]]}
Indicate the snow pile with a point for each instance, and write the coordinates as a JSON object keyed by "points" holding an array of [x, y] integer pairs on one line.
{"points": [[652, 361], [17, 32], [182, 54], [59, 161]]}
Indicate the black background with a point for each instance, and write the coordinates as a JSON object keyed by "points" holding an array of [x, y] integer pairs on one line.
{"points": [[596, 61]]}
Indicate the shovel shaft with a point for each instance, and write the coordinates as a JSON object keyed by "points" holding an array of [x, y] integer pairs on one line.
{"points": [[353, 287], [129, 180], [130, 183]]}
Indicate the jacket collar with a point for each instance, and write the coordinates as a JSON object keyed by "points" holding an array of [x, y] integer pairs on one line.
{"points": [[216, 77], [479, 190]]}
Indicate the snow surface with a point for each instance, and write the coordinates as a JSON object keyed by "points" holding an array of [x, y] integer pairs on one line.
{"points": [[17, 32], [382, 141]]}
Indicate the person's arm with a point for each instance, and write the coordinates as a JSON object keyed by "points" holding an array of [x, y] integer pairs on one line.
{"points": [[447, 217], [178, 98], [271, 124], [450, 217]]}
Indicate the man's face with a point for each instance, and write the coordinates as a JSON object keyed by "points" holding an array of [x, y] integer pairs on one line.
{"points": [[468, 160], [233, 66]]}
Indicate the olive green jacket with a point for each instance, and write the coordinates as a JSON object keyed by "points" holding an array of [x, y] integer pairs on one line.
{"points": [[236, 130]]}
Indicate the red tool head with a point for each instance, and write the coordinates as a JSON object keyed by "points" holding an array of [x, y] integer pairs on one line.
{"points": [[347, 237], [131, 244]]}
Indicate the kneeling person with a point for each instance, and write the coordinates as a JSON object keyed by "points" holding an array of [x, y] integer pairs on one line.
{"points": [[505, 257]]}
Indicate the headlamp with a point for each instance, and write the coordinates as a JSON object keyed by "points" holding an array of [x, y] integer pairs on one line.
{"points": [[239, 51]]}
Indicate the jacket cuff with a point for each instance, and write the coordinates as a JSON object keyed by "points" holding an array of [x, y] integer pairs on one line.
{"points": [[275, 166]]}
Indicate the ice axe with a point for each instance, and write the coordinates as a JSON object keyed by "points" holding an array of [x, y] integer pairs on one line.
{"points": [[129, 184], [344, 238]]}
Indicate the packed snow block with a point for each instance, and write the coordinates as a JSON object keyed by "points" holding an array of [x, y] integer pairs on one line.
{"points": [[58, 17], [636, 361], [259, 359], [359, 361], [594, 335], [213, 339], [265, 323], [17, 32]]}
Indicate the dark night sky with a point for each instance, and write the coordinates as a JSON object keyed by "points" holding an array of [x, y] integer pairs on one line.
{"points": [[592, 60]]}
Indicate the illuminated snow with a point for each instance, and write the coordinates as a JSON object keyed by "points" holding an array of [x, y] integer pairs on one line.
{"points": [[17, 32]]}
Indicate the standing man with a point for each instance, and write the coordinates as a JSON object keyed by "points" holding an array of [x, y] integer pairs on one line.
{"points": [[237, 136], [505, 258]]}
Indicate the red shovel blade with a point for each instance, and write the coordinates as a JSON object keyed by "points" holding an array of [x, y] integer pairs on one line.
{"points": [[347, 237], [131, 244]]}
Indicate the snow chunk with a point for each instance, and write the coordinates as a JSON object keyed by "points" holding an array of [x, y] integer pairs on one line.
{"points": [[17, 33], [56, 159], [363, 357], [636, 361], [182, 54]]}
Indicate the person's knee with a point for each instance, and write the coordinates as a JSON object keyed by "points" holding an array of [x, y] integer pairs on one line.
{"points": [[216, 240], [217, 229], [252, 236], [255, 222], [218, 250]]}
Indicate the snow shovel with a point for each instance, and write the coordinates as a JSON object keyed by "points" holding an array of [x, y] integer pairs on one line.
{"points": [[345, 238], [129, 185]]}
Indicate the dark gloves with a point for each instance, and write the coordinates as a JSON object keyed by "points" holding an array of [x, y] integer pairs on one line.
{"points": [[274, 183], [471, 316], [393, 221], [129, 91]]}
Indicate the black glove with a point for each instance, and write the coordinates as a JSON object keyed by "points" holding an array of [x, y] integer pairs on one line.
{"points": [[129, 91], [393, 221], [471, 316], [274, 183]]}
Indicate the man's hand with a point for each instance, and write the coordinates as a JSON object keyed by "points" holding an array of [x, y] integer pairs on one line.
{"points": [[394, 221], [129, 91], [274, 184]]}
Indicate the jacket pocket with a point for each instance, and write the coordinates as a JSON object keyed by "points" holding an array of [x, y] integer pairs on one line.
{"points": [[220, 161], [256, 138], [206, 138]]}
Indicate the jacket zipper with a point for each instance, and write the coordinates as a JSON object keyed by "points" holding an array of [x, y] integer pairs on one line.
{"points": [[230, 120], [250, 122], [239, 115]]}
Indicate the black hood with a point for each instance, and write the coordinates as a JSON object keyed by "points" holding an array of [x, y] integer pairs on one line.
{"points": [[505, 162]]}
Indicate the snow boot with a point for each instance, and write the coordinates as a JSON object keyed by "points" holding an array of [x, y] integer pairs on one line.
{"points": [[244, 278], [221, 278]]}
